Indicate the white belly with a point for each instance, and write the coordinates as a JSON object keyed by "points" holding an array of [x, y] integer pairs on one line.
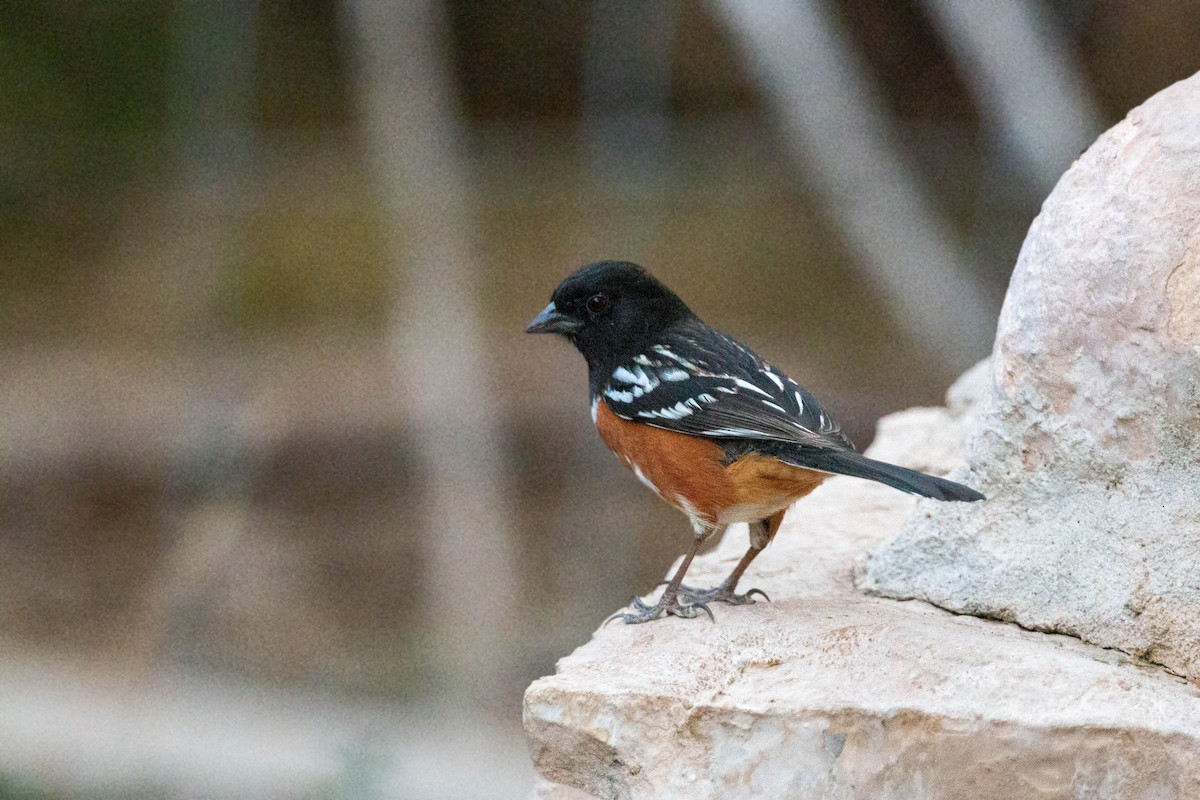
{"points": [[752, 512]]}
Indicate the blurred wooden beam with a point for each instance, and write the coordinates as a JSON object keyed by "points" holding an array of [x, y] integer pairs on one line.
{"points": [[625, 125], [1020, 71], [406, 91], [626, 88], [837, 130], [214, 190]]}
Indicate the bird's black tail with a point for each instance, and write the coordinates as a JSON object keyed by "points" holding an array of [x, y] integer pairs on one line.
{"points": [[847, 462]]}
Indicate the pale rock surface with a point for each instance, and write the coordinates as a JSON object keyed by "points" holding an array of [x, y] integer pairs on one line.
{"points": [[1088, 445], [828, 693]]}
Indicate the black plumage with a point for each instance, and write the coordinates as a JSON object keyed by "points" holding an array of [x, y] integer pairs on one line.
{"points": [[655, 362], [702, 420]]}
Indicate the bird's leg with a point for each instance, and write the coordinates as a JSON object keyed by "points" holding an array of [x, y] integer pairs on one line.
{"points": [[669, 603], [761, 533], [724, 592]]}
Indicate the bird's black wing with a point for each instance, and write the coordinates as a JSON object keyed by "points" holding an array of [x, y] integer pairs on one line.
{"points": [[701, 382], [698, 381]]}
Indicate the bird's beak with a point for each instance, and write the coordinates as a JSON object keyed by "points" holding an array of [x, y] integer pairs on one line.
{"points": [[551, 320]]}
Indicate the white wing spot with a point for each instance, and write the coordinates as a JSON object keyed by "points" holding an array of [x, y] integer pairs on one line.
{"points": [[734, 432], [677, 411], [674, 374], [619, 396], [624, 376], [748, 385], [774, 405], [663, 350], [799, 402], [636, 378], [774, 378]]}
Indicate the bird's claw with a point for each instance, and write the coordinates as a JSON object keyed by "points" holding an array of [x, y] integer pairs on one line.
{"points": [[644, 612], [720, 594], [640, 604], [749, 595]]}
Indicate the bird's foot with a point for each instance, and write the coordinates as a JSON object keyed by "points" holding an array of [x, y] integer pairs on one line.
{"points": [[719, 594], [644, 612]]}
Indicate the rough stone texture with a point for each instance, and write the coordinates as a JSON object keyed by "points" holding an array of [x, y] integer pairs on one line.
{"points": [[828, 693], [1089, 440]]}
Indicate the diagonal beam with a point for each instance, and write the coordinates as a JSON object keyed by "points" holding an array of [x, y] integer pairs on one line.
{"points": [[413, 137], [1026, 86], [838, 134]]}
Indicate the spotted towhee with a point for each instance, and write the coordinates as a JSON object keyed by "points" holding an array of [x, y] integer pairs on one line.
{"points": [[702, 420]]}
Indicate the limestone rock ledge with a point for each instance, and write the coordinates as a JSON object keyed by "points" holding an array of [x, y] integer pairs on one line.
{"points": [[828, 693], [1088, 439]]}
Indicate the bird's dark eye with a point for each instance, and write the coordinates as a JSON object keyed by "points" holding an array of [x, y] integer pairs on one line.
{"points": [[597, 304]]}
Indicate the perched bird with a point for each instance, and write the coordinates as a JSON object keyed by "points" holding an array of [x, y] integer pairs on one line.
{"points": [[702, 420]]}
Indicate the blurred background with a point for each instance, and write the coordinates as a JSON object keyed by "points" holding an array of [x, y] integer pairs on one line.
{"points": [[289, 506]]}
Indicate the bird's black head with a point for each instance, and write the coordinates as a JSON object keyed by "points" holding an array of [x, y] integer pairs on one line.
{"points": [[610, 310]]}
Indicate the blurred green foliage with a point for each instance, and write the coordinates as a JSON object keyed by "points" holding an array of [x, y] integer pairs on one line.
{"points": [[93, 113], [83, 97], [310, 260], [301, 67], [83, 109]]}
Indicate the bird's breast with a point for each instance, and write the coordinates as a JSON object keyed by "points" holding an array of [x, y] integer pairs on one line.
{"points": [[686, 471]]}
